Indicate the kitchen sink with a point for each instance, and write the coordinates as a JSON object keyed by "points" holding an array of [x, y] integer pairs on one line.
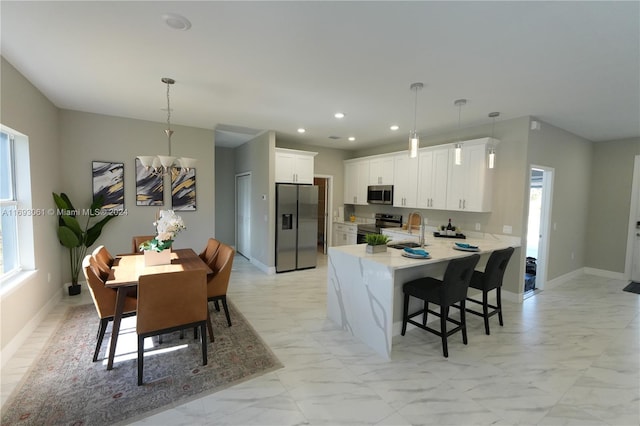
{"points": [[403, 245]]}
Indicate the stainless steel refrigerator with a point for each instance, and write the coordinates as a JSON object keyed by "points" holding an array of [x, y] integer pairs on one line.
{"points": [[296, 226]]}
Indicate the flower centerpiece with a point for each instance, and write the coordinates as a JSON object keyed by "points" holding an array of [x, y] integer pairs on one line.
{"points": [[168, 225]]}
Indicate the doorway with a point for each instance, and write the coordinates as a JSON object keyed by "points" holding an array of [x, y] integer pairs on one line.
{"points": [[540, 190], [633, 242], [325, 186], [243, 215]]}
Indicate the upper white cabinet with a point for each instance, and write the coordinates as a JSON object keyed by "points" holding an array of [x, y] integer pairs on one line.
{"points": [[470, 183], [433, 177], [293, 166], [356, 179], [381, 170], [405, 181]]}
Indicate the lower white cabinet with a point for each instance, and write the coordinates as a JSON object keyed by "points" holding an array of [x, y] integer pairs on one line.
{"points": [[345, 234]]}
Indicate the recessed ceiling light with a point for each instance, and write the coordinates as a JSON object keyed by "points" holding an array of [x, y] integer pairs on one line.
{"points": [[339, 115], [351, 139], [301, 130], [177, 22], [394, 127]]}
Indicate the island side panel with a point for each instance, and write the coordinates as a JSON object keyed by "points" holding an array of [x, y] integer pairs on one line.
{"points": [[360, 299]]}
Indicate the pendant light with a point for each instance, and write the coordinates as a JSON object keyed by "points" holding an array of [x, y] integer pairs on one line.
{"points": [[161, 165], [492, 150], [458, 148], [414, 141]]}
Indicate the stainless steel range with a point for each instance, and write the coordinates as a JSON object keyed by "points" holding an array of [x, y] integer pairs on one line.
{"points": [[383, 220]]}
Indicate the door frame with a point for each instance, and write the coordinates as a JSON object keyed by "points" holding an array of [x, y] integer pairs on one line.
{"points": [[545, 222], [634, 215], [235, 216], [328, 220]]}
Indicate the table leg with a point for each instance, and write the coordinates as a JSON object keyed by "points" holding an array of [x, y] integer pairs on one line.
{"points": [[117, 318]]}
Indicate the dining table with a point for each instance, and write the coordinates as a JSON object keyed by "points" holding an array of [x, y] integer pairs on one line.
{"points": [[124, 276]]}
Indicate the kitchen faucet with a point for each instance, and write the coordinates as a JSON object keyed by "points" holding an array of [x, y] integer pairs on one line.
{"points": [[421, 226]]}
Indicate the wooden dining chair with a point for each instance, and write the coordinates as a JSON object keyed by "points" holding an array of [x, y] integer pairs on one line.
{"points": [[104, 299], [139, 239], [104, 261], [169, 302], [219, 258]]}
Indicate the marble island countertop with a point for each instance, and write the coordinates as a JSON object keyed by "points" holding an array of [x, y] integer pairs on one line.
{"points": [[440, 249]]}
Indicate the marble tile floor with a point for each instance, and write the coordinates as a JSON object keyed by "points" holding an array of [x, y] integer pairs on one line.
{"points": [[570, 355]]}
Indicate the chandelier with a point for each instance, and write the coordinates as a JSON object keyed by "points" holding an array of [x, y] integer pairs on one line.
{"points": [[161, 165]]}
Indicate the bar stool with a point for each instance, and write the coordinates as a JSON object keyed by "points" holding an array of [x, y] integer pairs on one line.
{"points": [[445, 293], [490, 279]]}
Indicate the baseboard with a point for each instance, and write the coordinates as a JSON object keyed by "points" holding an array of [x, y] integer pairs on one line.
{"points": [[564, 278], [269, 270], [12, 347], [605, 274]]}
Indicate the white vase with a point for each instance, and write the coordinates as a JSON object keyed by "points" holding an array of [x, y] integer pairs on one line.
{"points": [[152, 257]]}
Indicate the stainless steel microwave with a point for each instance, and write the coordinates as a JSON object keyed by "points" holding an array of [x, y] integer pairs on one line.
{"points": [[380, 194]]}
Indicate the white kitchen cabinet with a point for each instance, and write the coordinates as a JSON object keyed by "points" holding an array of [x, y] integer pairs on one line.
{"points": [[356, 179], [293, 166], [401, 235], [405, 181], [344, 234], [381, 170], [433, 175], [469, 186]]}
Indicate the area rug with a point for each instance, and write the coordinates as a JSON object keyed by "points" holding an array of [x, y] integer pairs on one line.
{"points": [[632, 287], [65, 387]]}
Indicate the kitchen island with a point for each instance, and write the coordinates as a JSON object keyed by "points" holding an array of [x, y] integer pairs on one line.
{"points": [[364, 291]]}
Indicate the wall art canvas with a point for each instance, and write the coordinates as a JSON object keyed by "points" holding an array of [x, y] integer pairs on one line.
{"points": [[149, 187], [108, 182], [183, 190]]}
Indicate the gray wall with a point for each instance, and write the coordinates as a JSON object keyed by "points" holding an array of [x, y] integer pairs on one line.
{"points": [[610, 203], [570, 156], [27, 111], [258, 157], [121, 140], [225, 201]]}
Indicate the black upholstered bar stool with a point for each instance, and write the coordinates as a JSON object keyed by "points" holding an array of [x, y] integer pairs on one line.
{"points": [[446, 293], [490, 279]]}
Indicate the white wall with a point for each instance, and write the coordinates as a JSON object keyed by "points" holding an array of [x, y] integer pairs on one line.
{"points": [[26, 110]]}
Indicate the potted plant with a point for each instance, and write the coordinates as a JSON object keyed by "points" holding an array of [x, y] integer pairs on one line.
{"points": [[376, 243], [76, 238]]}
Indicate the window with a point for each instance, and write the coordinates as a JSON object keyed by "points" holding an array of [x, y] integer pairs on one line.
{"points": [[17, 247], [9, 251]]}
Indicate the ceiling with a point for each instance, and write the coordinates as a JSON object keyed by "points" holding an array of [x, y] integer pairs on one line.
{"points": [[246, 67]]}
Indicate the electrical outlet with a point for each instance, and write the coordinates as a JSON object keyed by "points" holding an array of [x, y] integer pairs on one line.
{"points": [[477, 226], [507, 229]]}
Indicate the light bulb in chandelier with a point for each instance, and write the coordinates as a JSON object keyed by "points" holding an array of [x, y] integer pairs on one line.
{"points": [[161, 165]]}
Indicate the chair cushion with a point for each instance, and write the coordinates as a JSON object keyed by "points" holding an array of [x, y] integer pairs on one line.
{"points": [[426, 288]]}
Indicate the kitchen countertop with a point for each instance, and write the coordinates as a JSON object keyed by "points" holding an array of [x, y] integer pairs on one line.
{"points": [[439, 250]]}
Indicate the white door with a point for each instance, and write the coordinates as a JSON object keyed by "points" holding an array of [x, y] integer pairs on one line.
{"points": [[634, 218], [540, 191], [243, 215]]}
